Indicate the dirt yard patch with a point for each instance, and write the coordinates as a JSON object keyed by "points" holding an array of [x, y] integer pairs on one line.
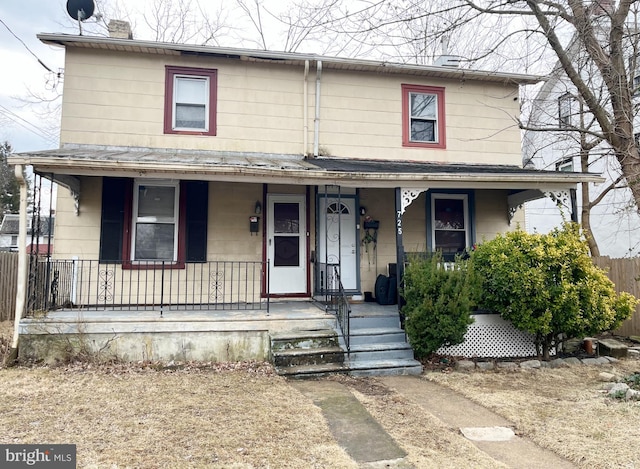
{"points": [[563, 409]]}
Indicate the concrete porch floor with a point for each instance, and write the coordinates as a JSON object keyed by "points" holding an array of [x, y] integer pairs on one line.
{"points": [[207, 335]]}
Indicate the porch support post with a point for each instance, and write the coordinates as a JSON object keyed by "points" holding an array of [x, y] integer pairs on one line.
{"points": [[399, 246], [21, 291], [574, 205]]}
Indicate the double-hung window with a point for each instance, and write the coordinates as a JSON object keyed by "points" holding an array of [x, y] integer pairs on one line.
{"points": [[144, 221], [190, 100], [155, 221], [565, 165], [564, 110], [450, 224], [423, 116]]}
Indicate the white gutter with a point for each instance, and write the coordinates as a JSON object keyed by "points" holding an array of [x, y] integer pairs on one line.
{"points": [[303, 176], [21, 291], [316, 130], [305, 111]]}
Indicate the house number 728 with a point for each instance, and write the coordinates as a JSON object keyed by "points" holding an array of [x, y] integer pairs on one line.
{"points": [[399, 221]]}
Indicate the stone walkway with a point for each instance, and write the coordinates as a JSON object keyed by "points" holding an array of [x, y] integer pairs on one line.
{"points": [[490, 432], [364, 439]]}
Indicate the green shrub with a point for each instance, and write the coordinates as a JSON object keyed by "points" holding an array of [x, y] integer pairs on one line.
{"points": [[438, 305], [547, 285]]}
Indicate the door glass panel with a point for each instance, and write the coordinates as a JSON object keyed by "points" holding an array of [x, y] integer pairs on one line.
{"points": [[450, 241], [154, 241], [156, 203], [286, 218], [286, 250], [449, 214]]}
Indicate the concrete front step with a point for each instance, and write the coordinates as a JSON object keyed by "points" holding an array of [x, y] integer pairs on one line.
{"points": [[370, 322], [311, 371], [385, 367], [380, 351], [377, 335], [303, 339], [361, 368], [308, 356]]}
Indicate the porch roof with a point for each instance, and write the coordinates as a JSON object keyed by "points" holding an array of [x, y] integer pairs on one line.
{"points": [[81, 160]]}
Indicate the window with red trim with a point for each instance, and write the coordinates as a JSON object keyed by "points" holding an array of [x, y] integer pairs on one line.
{"points": [[147, 222], [190, 100], [423, 122]]}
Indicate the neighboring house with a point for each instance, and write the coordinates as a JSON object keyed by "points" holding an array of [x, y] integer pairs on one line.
{"points": [[38, 241], [204, 177], [614, 221]]}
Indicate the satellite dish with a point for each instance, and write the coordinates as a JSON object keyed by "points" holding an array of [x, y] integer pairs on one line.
{"points": [[80, 10]]}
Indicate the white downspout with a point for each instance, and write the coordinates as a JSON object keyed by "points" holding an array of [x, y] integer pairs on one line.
{"points": [[316, 130], [305, 111], [21, 291]]}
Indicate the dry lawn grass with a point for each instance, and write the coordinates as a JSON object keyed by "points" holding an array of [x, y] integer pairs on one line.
{"points": [[240, 418], [563, 409], [244, 416]]}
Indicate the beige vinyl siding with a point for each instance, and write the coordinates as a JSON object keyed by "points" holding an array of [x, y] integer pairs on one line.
{"points": [[79, 235], [228, 236], [254, 113], [117, 99], [492, 215]]}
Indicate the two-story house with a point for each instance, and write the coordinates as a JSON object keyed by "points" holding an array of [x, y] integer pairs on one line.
{"points": [[209, 178], [614, 221]]}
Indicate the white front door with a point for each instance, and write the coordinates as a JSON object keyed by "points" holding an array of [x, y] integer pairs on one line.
{"points": [[287, 244], [337, 237]]}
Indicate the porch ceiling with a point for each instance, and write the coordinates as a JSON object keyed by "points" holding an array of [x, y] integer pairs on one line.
{"points": [[84, 160]]}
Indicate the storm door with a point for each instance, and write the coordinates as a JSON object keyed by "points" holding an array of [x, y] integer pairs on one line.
{"points": [[287, 244]]}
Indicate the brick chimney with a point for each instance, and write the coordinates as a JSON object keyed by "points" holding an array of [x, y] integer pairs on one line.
{"points": [[120, 29]]}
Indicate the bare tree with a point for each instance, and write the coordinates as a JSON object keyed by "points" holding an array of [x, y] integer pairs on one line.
{"points": [[598, 36]]}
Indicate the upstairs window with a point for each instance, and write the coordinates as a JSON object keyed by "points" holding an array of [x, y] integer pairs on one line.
{"points": [[423, 116], [565, 165], [636, 85], [190, 101], [564, 110]]}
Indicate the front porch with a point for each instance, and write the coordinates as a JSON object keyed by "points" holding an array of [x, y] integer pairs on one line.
{"points": [[217, 335], [181, 335]]}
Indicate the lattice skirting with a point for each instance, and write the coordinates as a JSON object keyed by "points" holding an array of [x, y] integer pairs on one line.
{"points": [[490, 336]]}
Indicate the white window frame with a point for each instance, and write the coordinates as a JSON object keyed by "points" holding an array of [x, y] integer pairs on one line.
{"points": [[565, 165], [565, 110], [176, 79], [423, 119], [136, 219], [467, 227]]}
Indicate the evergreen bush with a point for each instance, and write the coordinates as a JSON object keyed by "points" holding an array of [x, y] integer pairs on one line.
{"points": [[438, 304], [547, 285]]}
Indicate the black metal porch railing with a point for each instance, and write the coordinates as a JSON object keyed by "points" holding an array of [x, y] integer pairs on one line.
{"points": [[149, 285], [336, 300]]}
